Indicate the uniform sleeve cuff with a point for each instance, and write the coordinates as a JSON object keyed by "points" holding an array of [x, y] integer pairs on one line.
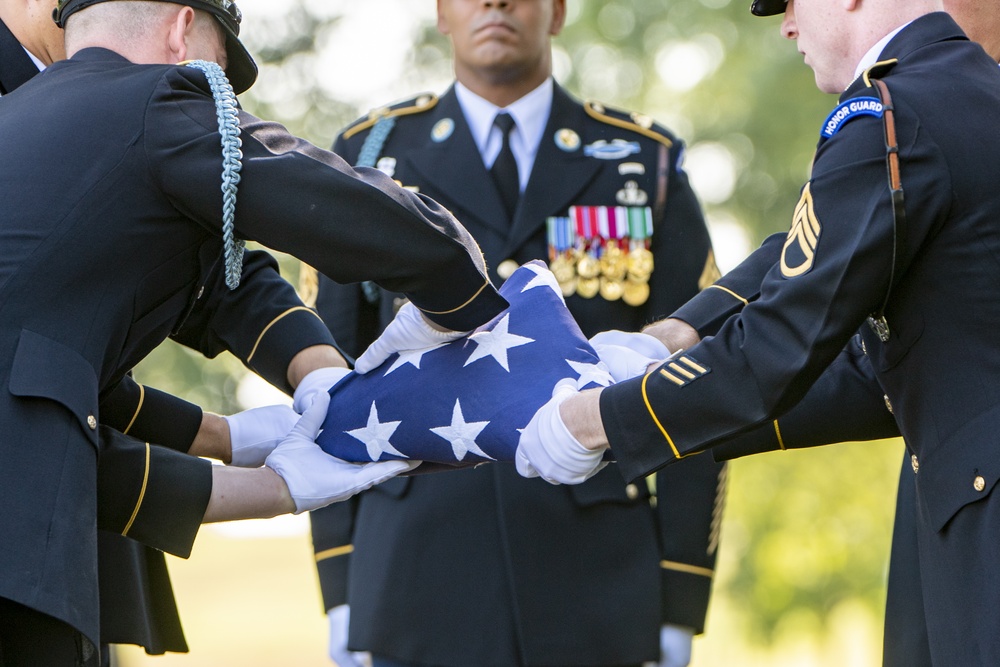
{"points": [[685, 598], [283, 338]]}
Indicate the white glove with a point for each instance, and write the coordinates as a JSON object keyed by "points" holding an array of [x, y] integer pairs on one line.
{"points": [[318, 381], [407, 332], [340, 621], [316, 479], [675, 646], [628, 355], [548, 450], [254, 433]]}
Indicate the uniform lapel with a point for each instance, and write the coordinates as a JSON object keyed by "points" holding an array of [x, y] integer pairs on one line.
{"points": [[15, 65], [456, 171], [557, 176]]}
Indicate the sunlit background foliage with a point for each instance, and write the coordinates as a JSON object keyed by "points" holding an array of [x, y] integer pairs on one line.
{"points": [[805, 540]]}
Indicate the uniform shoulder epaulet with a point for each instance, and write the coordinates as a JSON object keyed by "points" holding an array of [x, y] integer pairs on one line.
{"points": [[418, 104], [879, 70], [633, 121]]}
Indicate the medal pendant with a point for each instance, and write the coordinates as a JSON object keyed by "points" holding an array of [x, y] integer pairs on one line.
{"points": [[611, 290], [588, 267], [635, 293], [588, 287], [640, 262]]}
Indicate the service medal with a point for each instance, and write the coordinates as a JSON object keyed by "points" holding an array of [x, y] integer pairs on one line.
{"points": [[635, 293], [588, 287], [640, 263], [563, 269], [614, 264], [611, 290], [588, 267]]}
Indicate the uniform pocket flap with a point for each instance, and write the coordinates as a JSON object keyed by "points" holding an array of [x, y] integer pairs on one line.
{"points": [[44, 368], [608, 487], [963, 470]]}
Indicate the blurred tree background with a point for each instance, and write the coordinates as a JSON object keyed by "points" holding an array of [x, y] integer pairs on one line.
{"points": [[806, 534]]}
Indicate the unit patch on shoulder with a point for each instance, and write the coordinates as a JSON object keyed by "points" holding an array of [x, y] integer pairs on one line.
{"points": [[800, 246], [684, 370], [852, 108]]}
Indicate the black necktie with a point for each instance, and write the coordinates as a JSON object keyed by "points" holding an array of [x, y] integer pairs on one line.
{"points": [[504, 170]]}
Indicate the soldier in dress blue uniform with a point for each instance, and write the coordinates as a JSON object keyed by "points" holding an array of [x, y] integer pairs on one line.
{"points": [[824, 416], [858, 248], [480, 566], [147, 172], [152, 493]]}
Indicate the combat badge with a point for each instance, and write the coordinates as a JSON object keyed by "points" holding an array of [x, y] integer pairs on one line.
{"points": [[442, 130], [800, 246], [617, 149], [567, 140]]}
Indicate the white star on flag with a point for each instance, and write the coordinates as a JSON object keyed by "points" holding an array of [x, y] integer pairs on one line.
{"points": [[496, 342], [596, 373], [456, 412], [376, 435], [543, 278], [411, 357], [462, 434]]}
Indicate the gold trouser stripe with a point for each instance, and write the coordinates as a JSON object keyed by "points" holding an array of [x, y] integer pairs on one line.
{"points": [[273, 322], [689, 569], [455, 310], [334, 552], [777, 432], [645, 397], [730, 292], [142, 494], [138, 409]]}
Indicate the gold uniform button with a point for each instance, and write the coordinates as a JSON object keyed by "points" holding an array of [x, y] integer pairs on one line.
{"points": [[92, 422], [979, 484], [506, 268], [632, 491], [888, 404], [915, 463]]}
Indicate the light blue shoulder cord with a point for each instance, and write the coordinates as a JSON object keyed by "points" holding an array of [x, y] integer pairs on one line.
{"points": [[370, 151], [229, 130]]}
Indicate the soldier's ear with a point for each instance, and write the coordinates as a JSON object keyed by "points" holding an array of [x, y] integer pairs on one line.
{"points": [[178, 30], [558, 17]]}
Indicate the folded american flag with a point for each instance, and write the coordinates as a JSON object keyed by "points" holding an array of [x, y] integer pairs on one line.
{"points": [[462, 402]]}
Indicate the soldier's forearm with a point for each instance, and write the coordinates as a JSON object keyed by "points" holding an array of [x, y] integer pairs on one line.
{"points": [[247, 493]]}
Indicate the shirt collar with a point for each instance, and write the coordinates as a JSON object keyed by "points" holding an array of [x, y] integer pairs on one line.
{"points": [[873, 54], [38, 63], [531, 113]]}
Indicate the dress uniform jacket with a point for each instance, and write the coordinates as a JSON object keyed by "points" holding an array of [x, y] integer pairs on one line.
{"points": [[157, 493], [836, 267], [100, 266], [482, 566]]}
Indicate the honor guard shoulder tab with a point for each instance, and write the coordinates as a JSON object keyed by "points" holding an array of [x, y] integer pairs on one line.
{"points": [[878, 70], [418, 104], [628, 120]]}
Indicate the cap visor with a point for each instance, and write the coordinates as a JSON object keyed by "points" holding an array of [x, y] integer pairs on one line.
{"points": [[241, 70], [767, 7]]}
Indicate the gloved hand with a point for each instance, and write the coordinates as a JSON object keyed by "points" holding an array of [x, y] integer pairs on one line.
{"points": [[253, 434], [548, 450], [407, 332], [316, 479], [628, 355], [675, 646], [318, 381], [340, 619]]}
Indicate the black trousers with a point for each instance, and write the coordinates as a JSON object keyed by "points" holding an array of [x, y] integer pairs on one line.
{"points": [[29, 638]]}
